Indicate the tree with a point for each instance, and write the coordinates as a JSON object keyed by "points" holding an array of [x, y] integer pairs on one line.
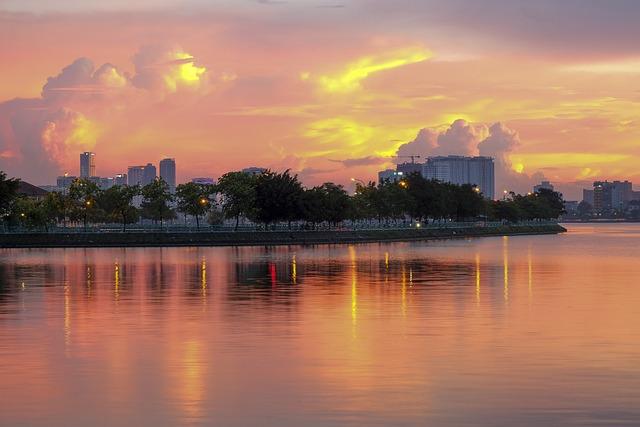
{"points": [[238, 195], [8, 194], [155, 201], [550, 202], [327, 202], [195, 199], [83, 195], [57, 207], [117, 203], [278, 197], [469, 202], [32, 214]]}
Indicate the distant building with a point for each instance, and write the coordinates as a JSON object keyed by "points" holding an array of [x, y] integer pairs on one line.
{"points": [[87, 164], [168, 173], [31, 191], [65, 181], [571, 206], [544, 185], [149, 174], [254, 170], [587, 196], [102, 182], [389, 175], [478, 171], [135, 175], [120, 179], [203, 181], [409, 168], [608, 196]]}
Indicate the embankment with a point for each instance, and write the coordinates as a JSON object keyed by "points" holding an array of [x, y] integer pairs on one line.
{"points": [[261, 238]]}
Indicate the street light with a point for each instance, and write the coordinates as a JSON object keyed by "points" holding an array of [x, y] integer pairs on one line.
{"points": [[203, 201], [403, 184]]}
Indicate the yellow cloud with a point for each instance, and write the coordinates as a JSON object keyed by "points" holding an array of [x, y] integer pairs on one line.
{"points": [[342, 132], [184, 72], [567, 160], [349, 79]]}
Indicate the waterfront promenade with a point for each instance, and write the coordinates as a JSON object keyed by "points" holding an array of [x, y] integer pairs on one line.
{"points": [[112, 238]]}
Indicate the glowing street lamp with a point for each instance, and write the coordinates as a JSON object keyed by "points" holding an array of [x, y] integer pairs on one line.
{"points": [[203, 201]]}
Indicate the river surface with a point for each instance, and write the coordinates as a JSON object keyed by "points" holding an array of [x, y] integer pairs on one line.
{"points": [[496, 331]]}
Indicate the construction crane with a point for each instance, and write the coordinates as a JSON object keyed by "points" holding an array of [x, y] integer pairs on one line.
{"points": [[412, 157]]}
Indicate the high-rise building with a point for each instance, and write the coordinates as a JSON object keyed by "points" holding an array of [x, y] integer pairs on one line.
{"points": [[409, 168], [389, 175], [478, 171], [544, 185], [87, 164], [120, 179], [135, 175], [253, 170], [609, 196], [65, 181], [203, 181], [149, 174], [168, 173]]}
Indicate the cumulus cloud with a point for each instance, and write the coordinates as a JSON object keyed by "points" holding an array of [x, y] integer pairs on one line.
{"points": [[40, 135], [167, 68], [470, 139]]}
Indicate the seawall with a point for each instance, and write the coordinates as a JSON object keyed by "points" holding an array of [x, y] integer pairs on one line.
{"points": [[261, 238]]}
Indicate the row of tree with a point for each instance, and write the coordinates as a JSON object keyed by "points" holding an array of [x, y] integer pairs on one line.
{"points": [[271, 198]]}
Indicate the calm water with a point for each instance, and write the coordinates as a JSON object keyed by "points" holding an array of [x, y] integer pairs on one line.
{"points": [[519, 331]]}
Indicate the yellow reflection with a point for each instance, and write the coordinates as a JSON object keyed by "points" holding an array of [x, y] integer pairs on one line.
{"points": [[203, 276], [530, 273], [67, 316], [386, 260], [478, 278], [354, 288], [294, 270], [403, 292], [192, 390], [116, 280], [505, 257]]}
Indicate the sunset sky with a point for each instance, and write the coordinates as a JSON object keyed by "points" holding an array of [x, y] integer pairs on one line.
{"points": [[331, 89]]}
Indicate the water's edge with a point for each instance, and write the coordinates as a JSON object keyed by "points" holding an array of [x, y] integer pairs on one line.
{"points": [[260, 238]]}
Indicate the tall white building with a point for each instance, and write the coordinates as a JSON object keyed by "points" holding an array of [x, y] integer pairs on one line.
{"points": [[168, 173], [478, 171], [87, 164]]}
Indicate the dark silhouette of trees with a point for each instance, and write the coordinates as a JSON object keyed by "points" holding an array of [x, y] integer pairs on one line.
{"points": [[238, 195], [117, 204], [156, 200], [278, 198], [195, 199]]}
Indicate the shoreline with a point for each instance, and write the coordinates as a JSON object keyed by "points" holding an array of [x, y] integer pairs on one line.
{"points": [[262, 238]]}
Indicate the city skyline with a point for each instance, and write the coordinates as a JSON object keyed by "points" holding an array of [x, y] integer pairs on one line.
{"points": [[316, 90]]}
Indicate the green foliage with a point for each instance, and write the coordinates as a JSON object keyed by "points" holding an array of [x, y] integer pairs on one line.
{"points": [[32, 214], [83, 197], [155, 201], [117, 204], [326, 203], [195, 199], [238, 195], [278, 197], [8, 194]]}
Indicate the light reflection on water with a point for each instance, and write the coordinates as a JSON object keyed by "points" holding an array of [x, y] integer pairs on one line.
{"points": [[525, 331]]}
